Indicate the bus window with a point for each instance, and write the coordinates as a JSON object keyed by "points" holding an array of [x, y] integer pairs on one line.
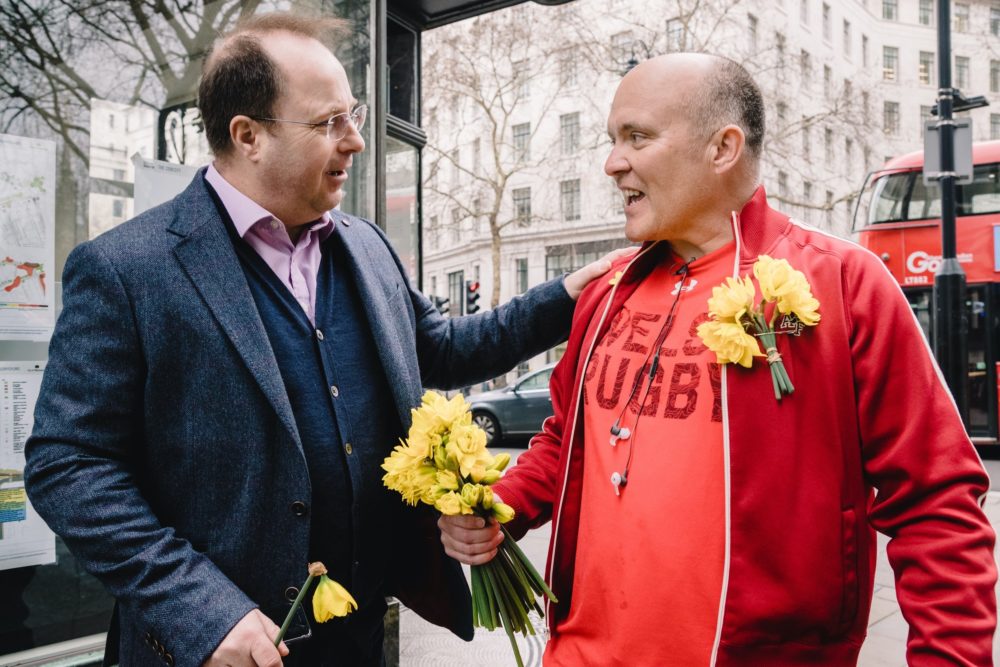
{"points": [[983, 194], [890, 198], [925, 201], [920, 302], [978, 376]]}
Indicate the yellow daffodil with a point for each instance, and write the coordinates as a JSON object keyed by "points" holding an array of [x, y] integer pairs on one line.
{"points": [[448, 480], [331, 599], [734, 299], [787, 287], [467, 443], [502, 512], [472, 494], [730, 342], [451, 504]]}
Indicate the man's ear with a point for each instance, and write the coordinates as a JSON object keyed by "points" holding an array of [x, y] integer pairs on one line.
{"points": [[245, 134], [727, 148]]}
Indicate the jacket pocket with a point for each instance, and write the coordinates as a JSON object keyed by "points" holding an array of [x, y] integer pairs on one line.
{"points": [[849, 569]]}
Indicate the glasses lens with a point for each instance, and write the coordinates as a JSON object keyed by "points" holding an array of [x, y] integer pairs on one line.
{"points": [[338, 126]]}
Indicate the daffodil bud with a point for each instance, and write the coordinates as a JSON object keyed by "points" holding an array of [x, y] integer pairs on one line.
{"points": [[500, 461], [487, 498], [491, 477], [472, 495], [331, 599], [502, 512]]}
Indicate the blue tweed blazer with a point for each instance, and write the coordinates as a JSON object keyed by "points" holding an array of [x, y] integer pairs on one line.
{"points": [[165, 452]]}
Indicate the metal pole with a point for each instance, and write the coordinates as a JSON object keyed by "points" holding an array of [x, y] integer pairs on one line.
{"points": [[950, 320]]}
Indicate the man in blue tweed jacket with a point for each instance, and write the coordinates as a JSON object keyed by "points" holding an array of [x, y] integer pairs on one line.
{"points": [[229, 371]]}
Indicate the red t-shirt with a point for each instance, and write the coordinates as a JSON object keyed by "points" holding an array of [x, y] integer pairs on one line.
{"points": [[649, 560]]}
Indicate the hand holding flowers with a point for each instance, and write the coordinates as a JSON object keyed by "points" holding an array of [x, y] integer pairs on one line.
{"points": [[444, 462], [734, 314]]}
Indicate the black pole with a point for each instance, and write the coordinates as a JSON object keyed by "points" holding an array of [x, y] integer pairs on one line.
{"points": [[950, 322]]}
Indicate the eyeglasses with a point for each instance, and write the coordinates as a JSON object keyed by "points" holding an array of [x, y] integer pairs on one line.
{"points": [[336, 126]]}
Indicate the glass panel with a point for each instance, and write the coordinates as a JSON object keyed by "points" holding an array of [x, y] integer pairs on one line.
{"points": [[920, 302], [977, 389], [118, 91], [402, 164], [890, 192], [401, 56]]}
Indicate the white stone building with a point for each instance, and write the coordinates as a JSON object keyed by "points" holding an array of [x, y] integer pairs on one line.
{"points": [[847, 84]]}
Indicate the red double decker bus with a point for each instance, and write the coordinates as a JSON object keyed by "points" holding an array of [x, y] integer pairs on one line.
{"points": [[899, 219]]}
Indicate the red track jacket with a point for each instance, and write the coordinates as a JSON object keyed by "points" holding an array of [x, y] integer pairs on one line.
{"points": [[871, 439]]}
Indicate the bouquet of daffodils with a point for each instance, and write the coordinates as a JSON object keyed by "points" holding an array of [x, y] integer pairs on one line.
{"points": [[444, 462], [734, 313]]}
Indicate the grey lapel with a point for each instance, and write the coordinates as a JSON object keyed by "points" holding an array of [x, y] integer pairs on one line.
{"points": [[207, 256], [378, 278]]}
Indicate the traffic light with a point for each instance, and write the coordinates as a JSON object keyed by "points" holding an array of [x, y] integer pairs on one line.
{"points": [[441, 303], [471, 296]]}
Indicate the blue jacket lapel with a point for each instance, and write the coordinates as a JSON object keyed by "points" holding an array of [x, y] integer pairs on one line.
{"points": [[377, 282], [207, 256]]}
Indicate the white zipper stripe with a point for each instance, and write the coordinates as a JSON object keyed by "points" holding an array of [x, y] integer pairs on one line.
{"points": [[572, 432], [726, 463], [916, 323]]}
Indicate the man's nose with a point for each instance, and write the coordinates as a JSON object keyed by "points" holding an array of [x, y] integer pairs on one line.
{"points": [[616, 163], [352, 142]]}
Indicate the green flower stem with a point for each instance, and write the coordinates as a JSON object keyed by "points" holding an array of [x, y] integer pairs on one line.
{"points": [[506, 622], [291, 612], [511, 543]]}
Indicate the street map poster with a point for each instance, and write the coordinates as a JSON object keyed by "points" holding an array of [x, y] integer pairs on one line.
{"points": [[25, 540], [27, 238]]}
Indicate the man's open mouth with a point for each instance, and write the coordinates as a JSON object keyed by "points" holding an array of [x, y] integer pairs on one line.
{"points": [[632, 196], [337, 172]]}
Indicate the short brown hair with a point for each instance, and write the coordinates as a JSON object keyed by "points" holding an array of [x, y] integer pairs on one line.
{"points": [[239, 78]]}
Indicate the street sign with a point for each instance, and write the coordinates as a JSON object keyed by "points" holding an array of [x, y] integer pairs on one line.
{"points": [[963, 151]]}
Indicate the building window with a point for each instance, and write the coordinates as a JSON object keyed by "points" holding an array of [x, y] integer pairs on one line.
{"points": [[804, 12], [569, 133], [522, 141], [848, 91], [890, 62], [456, 293], [434, 285], [890, 10], [521, 274], [807, 191], [995, 20], [995, 126], [779, 48], [783, 185], [827, 81], [675, 35], [456, 156], [961, 23], [621, 47], [925, 115], [926, 12], [890, 117], [569, 198], [864, 50], [567, 68], [847, 39], [455, 231], [848, 151], [866, 105], [752, 32], [827, 27], [781, 110], [805, 67], [961, 71], [829, 208], [562, 259], [522, 79], [522, 205], [995, 76], [118, 208], [828, 146], [926, 72]]}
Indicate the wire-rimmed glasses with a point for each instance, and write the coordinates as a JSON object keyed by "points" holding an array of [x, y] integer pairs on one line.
{"points": [[336, 125]]}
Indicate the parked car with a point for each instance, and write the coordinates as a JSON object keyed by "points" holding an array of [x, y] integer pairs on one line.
{"points": [[517, 410]]}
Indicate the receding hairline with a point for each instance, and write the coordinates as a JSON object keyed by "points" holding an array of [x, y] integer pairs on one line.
{"points": [[323, 29]]}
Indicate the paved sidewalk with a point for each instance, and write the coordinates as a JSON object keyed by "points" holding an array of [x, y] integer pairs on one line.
{"points": [[424, 645]]}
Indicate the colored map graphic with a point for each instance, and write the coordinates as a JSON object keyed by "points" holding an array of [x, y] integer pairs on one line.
{"points": [[22, 284]]}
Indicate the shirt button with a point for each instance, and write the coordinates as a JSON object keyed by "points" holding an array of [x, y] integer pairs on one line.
{"points": [[275, 224], [299, 508], [334, 391], [348, 448], [319, 334]]}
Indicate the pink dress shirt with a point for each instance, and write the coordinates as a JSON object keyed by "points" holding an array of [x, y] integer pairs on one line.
{"points": [[296, 265]]}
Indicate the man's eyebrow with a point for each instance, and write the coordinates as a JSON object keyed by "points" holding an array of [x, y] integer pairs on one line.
{"points": [[625, 128]]}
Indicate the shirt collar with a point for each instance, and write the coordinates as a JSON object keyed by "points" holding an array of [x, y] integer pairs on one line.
{"points": [[246, 213]]}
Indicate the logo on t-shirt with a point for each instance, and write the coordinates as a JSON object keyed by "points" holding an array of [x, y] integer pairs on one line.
{"points": [[687, 287]]}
